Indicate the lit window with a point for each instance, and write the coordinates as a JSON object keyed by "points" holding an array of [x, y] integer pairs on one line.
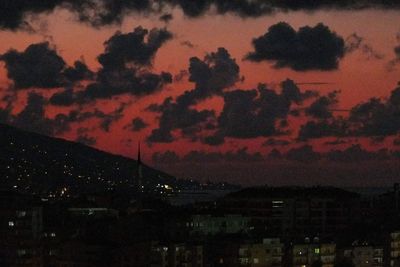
{"points": [[316, 250], [256, 260], [11, 223]]}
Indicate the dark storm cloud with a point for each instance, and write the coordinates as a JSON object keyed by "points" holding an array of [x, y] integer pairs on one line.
{"points": [[377, 117], [33, 118], [123, 48], [392, 64], [97, 13], [38, 66], [128, 81], [240, 116], [78, 72], [12, 13], [324, 128], [214, 140], [291, 92], [216, 72], [305, 153], [309, 48], [194, 156], [356, 153], [337, 142], [125, 65], [166, 157], [64, 98], [107, 119], [137, 124], [256, 113], [275, 142], [322, 107], [174, 116]]}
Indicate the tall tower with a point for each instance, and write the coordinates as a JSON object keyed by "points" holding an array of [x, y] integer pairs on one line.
{"points": [[139, 172]]}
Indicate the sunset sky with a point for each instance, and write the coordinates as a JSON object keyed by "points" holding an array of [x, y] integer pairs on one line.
{"points": [[136, 60]]}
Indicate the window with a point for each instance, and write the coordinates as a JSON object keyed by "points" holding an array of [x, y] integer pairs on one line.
{"points": [[316, 250], [11, 223], [256, 261]]}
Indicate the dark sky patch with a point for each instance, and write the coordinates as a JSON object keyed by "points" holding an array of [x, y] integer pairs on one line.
{"points": [[38, 66], [322, 107], [125, 65], [309, 48], [137, 124]]}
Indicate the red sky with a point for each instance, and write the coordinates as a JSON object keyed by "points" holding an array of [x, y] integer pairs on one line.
{"points": [[358, 78]]}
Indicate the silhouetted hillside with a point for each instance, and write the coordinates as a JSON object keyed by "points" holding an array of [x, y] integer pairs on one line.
{"points": [[35, 163]]}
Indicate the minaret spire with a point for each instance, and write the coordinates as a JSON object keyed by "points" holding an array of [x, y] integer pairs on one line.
{"points": [[139, 161], [139, 172]]}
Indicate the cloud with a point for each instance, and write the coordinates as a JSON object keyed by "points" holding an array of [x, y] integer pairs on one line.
{"points": [[194, 156], [40, 66], [137, 124], [354, 42], [256, 113], [216, 72], [125, 65], [321, 108], [128, 81], [176, 116], [78, 72], [107, 119], [337, 142], [309, 48], [37, 66], [275, 142], [304, 154], [166, 157], [377, 117], [98, 13], [131, 47], [356, 153], [324, 128], [64, 98], [33, 118], [392, 64], [13, 13]]}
